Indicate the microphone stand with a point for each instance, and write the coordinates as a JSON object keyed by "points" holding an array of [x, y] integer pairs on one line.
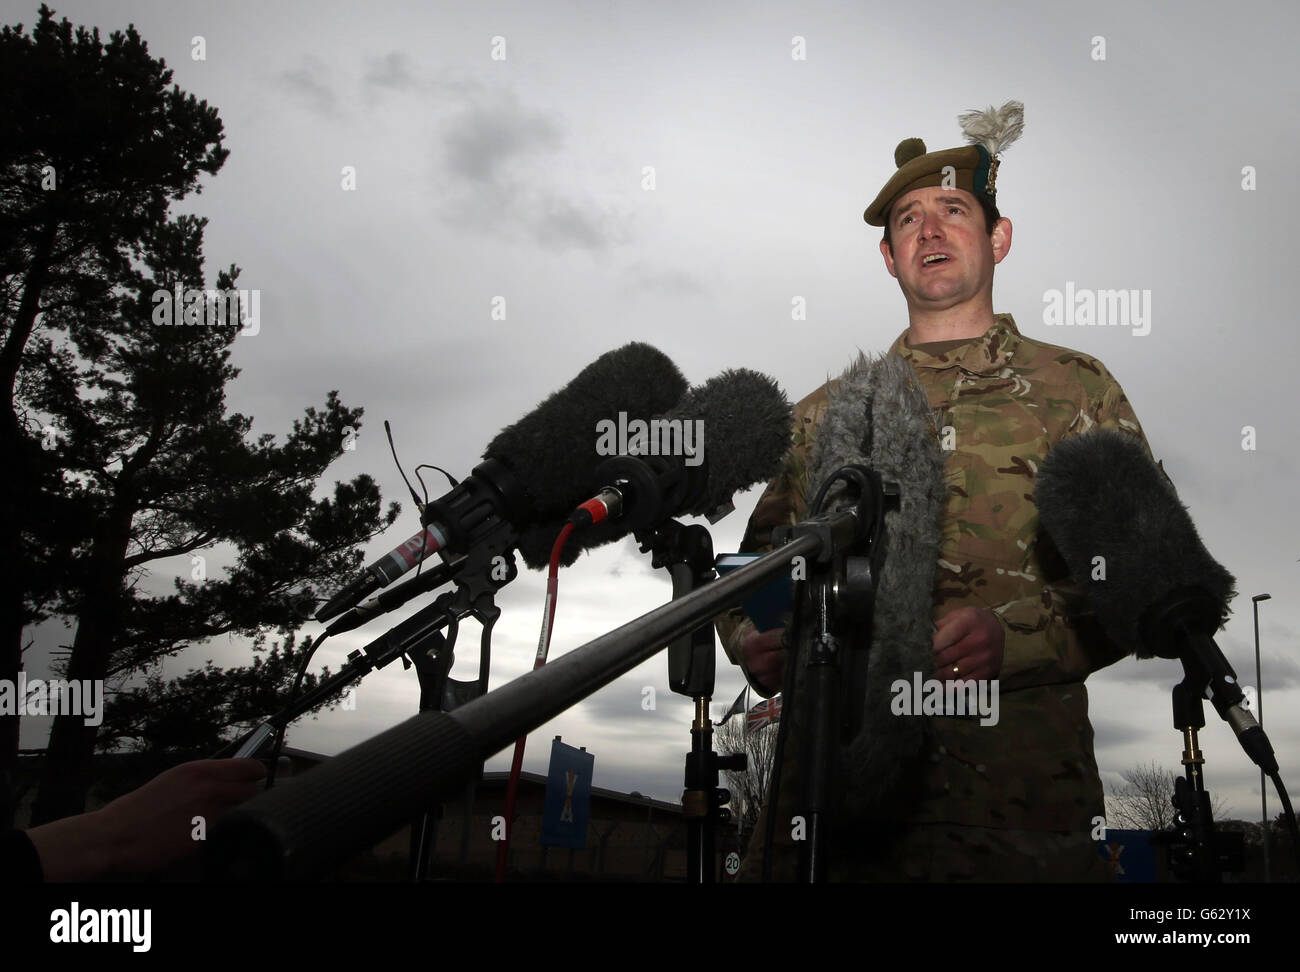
{"points": [[1192, 851], [843, 598], [1177, 626], [687, 553], [441, 693], [431, 670], [412, 636], [1196, 851], [418, 641]]}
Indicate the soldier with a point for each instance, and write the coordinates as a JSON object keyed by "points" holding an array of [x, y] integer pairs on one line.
{"points": [[1022, 799]]}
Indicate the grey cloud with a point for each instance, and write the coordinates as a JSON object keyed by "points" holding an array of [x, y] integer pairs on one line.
{"points": [[502, 158], [1110, 732], [481, 143], [561, 221], [619, 707], [673, 282], [311, 83], [1278, 671], [392, 71]]}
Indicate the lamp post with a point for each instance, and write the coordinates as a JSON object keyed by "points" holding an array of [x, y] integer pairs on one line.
{"points": [[1259, 716]]}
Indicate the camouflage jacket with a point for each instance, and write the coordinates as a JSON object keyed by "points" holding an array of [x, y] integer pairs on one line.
{"points": [[1000, 401]]}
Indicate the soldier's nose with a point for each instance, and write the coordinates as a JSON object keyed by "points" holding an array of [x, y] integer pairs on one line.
{"points": [[930, 228]]}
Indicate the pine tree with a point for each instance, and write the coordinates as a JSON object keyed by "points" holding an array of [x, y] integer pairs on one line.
{"points": [[125, 452], [95, 147]]}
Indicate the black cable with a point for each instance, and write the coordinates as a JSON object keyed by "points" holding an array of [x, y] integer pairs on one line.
{"points": [[820, 499], [428, 465], [308, 652], [1288, 815], [415, 498]]}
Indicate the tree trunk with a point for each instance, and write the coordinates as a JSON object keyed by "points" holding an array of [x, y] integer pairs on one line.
{"points": [[18, 479], [68, 767]]}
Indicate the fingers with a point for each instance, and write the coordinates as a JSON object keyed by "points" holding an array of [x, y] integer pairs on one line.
{"points": [[232, 769], [205, 785], [961, 647], [963, 668], [768, 640], [763, 642], [763, 656], [952, 654], [971, 657], [952, 628]]}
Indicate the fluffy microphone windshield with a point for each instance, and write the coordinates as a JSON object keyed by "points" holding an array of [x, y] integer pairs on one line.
{"points": [[740, 430], [879, 416], [552, 449], [1123, 532], [746, 420]]}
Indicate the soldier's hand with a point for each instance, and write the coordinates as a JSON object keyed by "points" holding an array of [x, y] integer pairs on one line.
{"points": [[969, 643], [762, 656]]}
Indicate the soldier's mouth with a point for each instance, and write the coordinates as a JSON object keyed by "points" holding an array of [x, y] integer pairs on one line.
{"points": [[934, 259]]}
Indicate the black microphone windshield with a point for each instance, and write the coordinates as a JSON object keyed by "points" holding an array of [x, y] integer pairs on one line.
{"points": [[745, 419], [1125, 535], [729, 433], [552, 449]]}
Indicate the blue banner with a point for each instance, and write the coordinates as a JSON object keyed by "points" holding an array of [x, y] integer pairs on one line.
{"points": [[568, 797], [1130, 855]]}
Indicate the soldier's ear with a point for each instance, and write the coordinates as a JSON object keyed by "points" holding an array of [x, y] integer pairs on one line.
{"points": [[887, 252], [1001, 239]]}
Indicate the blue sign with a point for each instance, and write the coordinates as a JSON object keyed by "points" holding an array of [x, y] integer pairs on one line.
{"points": [[568, 797], [1130, 855]]}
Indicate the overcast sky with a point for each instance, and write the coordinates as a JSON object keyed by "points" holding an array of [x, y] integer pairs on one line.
{"points": [[524, 178]]}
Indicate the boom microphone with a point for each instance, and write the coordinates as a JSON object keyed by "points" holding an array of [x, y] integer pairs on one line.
{"points": [[878, 416], [535, 469], [722, 437], [747, 418], [552, 449], [1131, 544]]}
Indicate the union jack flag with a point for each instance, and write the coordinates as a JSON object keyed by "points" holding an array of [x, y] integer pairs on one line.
{"points": [[769, 710]]}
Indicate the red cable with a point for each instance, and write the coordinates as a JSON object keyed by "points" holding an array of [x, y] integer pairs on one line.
{"points": [[543, 646]]}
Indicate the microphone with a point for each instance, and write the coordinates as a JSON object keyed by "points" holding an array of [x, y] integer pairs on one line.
{"points": [[722, 437], [1130, 542], [878, 416], [382, 572], [382, 603], [534, 469]]}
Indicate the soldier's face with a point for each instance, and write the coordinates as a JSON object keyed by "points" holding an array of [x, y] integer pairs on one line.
{"points": [[941, 254]]}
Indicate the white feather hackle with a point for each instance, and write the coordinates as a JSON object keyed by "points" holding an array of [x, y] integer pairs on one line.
{"points": [[994, 128]]}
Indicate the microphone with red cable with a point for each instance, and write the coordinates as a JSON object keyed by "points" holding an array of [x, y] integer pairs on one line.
{"points": [[534, 469]]}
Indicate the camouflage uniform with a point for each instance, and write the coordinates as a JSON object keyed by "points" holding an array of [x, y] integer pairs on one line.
{"points": [[1015, 800]]}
